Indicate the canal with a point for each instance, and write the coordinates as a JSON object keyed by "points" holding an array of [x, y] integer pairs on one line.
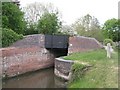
{"points": [[39, 79]]}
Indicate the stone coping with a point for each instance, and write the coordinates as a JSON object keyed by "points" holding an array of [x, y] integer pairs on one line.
{"points": [[61, 59]]}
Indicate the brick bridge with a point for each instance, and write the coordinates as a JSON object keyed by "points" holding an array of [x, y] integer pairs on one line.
{"points": [[32, 53]]}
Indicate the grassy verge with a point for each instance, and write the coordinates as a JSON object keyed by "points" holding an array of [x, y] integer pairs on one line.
{"points": [[102, 74]]}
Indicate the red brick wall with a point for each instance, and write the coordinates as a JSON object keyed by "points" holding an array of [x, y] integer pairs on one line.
{"points": [[21, 60], [80, 44]]}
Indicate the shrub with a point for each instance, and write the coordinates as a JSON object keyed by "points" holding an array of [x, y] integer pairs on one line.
{"points": [[9, 37], [108, 41]]}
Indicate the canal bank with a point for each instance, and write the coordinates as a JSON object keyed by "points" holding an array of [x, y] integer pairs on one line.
{"points": [[63, 68], [94, 70]]}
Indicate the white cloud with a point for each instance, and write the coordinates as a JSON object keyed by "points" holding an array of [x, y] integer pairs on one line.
{"points": [[73, 9]]}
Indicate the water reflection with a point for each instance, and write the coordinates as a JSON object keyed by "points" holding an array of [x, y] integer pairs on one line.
{"points": [[39, 79]]}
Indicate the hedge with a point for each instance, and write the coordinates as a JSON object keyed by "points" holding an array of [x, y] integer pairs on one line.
{"points": [[108, 41], [9, 37]]}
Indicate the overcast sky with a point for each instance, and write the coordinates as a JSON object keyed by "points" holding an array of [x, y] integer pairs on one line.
{"points": [[73, 9]]}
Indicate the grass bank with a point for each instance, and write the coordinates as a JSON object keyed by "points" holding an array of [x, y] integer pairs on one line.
{"points": [[102, 74]]}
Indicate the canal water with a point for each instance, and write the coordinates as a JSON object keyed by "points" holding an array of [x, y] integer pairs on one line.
{"points": [[39, 79]]}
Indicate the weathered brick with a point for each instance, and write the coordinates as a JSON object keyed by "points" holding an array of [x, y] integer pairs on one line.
{"points": [[22, 60], [80, 44], [29, 54]]}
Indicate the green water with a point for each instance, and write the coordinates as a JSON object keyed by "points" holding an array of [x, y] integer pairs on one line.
{"points": [[39, 79]]}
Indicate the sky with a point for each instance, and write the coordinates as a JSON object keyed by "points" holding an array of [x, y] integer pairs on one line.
{"points": [[71, 10]]}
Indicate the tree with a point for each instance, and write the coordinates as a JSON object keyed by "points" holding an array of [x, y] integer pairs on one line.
{"points": [[12, 17], [34, 11], [31, 29], [88, 26], [49, 23], [111, 29], [67, 30]]}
